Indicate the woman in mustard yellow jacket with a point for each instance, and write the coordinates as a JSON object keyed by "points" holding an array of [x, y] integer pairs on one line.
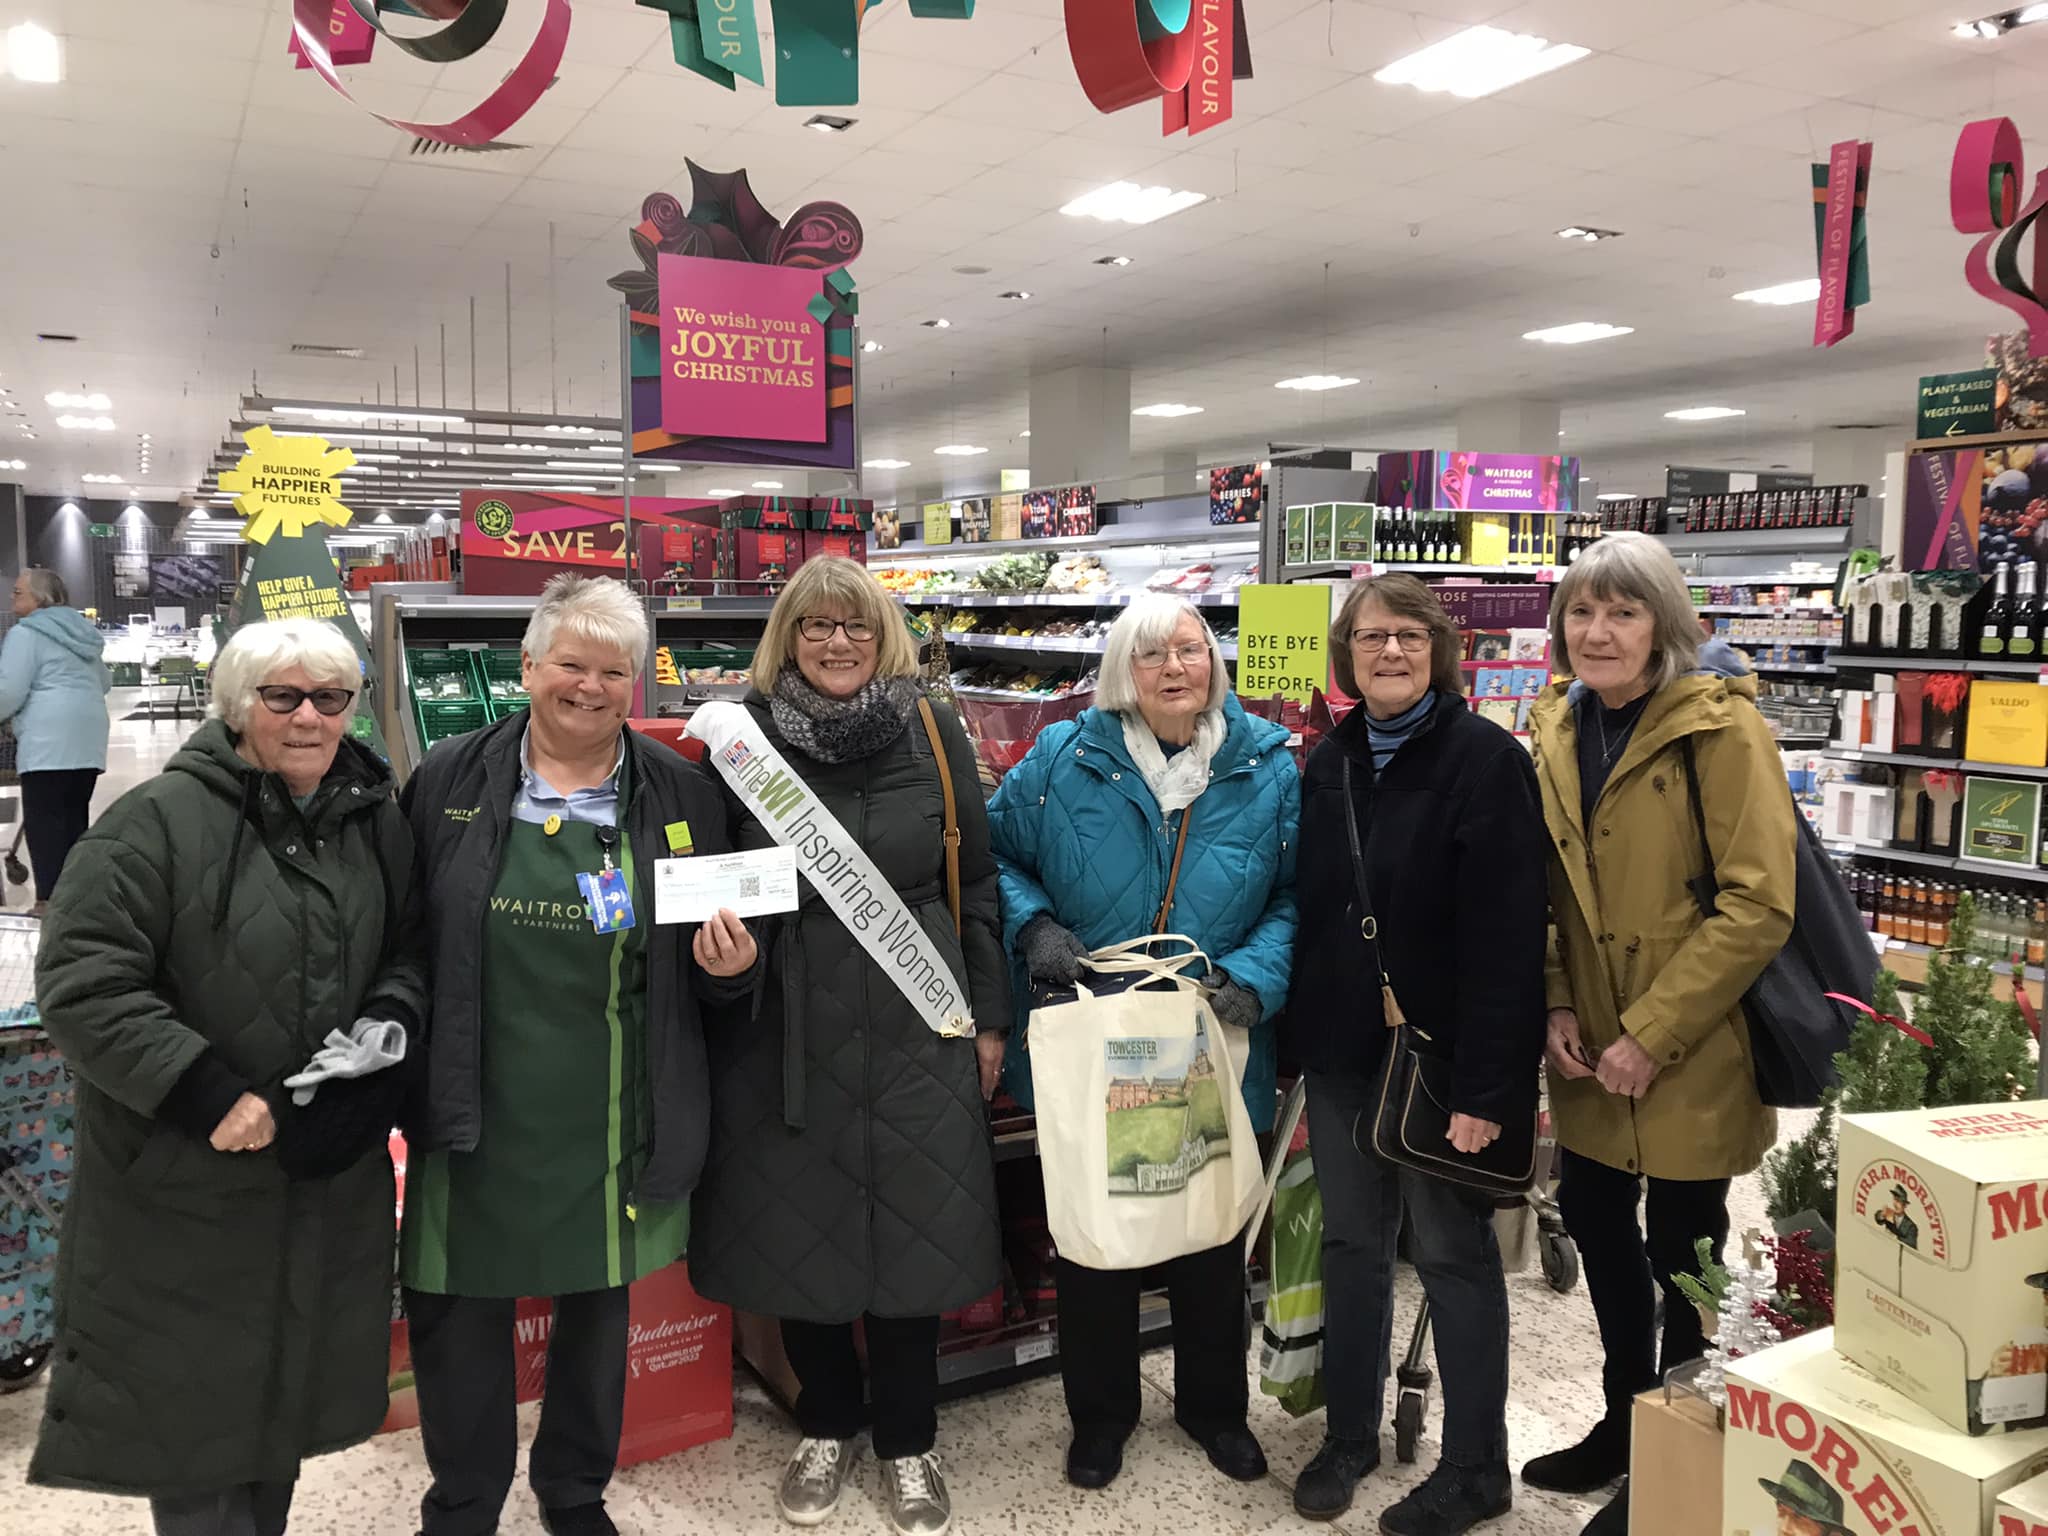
{"points": [[1651, 1079]]}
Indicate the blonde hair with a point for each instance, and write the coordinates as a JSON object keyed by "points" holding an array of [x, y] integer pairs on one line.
{"points": [[832, 581], [1148, 625], [257, 653], [1634, 567], [593, 608]]}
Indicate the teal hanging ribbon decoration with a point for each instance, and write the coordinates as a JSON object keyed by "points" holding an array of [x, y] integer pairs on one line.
{"points": [[817, 52]]}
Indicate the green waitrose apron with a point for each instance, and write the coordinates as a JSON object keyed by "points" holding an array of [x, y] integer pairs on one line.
{"points": [[541, 1207]]}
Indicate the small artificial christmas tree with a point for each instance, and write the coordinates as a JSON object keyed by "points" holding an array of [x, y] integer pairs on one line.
{"points": [[1980, 1052], [1800, 1177], [1739, 1303], [1884, 1067]]}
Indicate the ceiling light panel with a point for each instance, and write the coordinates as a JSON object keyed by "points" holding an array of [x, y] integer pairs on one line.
{"points": [[885, 464], [1316, 381], [959, 451], [1805, 291], [32, 55], [64, 402], [1168, 409], [1479, 61], [1704, 413], [86, 423], [1578, 332], [1125, 202]]}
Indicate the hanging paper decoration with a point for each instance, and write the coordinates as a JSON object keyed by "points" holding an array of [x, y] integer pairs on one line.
{"points": [[1187, 53], [726, 221], [471, 25], [1841, 188], [349, 37], [1987, 185], [817, 43]]}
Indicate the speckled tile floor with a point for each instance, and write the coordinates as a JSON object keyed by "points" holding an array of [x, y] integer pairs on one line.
{"points": [[1003, 1454], [1003, 1451]]}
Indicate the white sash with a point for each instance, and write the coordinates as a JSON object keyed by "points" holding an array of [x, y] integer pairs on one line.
{"points": [[828, 857]]}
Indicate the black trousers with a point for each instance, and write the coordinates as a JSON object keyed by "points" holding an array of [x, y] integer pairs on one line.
{"points": [[1098, 1311], [464, 1369], [903, 1379], [1624, 1268], [251, 1509], [55, 807]]}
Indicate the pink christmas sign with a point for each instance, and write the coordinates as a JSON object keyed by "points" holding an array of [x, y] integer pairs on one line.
{"points": [[742, 353]]}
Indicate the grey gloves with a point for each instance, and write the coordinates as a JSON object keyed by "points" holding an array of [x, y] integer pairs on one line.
{"points": [[1235, 1005], [1050, 952], [371, 1046]]}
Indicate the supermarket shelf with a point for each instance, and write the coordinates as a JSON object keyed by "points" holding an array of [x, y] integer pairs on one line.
{"points": [[1031, 1349], [1909, 760], [1006, 696], [1908, 962], [1986, 867], [1345, 570], [712, 607], [1070, 645], [1242, 535], [1800, 738], [1800, 668], [1222, 599], [1850, 661], [1790, 611], [1755, 541]]}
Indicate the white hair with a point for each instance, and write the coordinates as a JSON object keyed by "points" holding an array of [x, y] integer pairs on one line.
{"points": [[46, 587], [1636, 567], [259, 653], [594, 608], [1148, 625]]}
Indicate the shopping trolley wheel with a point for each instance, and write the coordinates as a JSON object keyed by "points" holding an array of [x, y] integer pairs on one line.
{"points": [[20, 1368], [1408, 1416], [17, 872], [1560, 1261]]}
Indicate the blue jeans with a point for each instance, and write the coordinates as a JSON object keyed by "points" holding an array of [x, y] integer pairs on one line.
{"points": [[1455, 1253]]}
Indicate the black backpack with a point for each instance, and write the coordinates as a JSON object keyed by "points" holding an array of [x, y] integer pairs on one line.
{"points": [[1795, 1028]]}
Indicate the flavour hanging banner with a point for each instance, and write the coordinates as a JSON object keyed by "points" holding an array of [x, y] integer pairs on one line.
{"points": [[1987, 181], [1841, 188], [1188, 52], [836, 866], [817, 43], [349, 38]]}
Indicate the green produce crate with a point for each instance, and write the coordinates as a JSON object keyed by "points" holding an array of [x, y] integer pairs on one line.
{"points": [[425, 664], [126, 674], [440, 721], [504, 680]]}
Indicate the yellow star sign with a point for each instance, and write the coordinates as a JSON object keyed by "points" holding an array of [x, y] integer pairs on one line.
{"points": [[287, 483]]}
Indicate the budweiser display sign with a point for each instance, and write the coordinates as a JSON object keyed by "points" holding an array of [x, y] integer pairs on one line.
{"points": [[1942, 1260], [1815, 1445]]}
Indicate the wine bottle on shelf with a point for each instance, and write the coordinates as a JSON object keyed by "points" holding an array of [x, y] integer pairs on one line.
{"points": [[2023, 637], [1457, 541], [1997, 617]]}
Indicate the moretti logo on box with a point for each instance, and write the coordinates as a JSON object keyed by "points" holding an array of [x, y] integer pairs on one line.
{"points": [[1897, 1199]]}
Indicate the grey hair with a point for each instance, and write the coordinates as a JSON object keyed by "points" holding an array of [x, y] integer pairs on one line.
{"points": [[1636, 568], [594, 608], [1148, 625], [258, 653], [47, 587]]}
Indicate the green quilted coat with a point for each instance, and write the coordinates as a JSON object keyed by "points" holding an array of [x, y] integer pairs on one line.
{"points": [[217, 1323]]}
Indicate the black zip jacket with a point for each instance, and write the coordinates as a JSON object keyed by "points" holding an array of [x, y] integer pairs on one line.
{"points": [[1456, 860]]}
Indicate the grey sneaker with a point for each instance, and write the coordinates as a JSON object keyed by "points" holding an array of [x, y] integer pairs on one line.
{"points": [[815, 1479], [918, 1503]]}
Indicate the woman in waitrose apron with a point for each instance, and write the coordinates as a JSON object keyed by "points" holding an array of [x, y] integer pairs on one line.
{"points": [[565, 1119]]}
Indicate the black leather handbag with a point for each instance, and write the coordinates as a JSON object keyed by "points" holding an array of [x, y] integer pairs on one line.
{"points": [[1408, 1122]]}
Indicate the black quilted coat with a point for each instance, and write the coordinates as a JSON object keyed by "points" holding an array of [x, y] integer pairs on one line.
{"points": [[216, 1324], [850, 1168]]}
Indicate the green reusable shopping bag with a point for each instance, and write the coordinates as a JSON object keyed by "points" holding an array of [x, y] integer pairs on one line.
{"points": [[1291, 1363]]}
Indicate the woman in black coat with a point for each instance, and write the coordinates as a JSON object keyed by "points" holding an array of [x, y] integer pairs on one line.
{"points": [[850, 1176], [1455, 864]]}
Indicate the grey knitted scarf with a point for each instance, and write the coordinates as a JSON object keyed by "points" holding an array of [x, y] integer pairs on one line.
{"points": [[830, 730]]}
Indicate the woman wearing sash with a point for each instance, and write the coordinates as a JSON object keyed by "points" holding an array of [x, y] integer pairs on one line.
{"points": [[564, 1119], [850, 1177], [1164, 808]]}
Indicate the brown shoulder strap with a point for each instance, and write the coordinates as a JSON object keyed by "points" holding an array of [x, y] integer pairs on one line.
{"points": [[1173, 879], [952, 834]]}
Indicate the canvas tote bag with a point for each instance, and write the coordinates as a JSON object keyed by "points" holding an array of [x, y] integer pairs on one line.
{"points": [[1147, 1149]]}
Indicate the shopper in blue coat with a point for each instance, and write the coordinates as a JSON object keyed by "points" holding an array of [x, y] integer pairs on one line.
{"points": [[1084, 831], [53, 696]]}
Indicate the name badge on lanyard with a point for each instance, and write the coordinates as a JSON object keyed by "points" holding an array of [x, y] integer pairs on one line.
{"points": [[605, 894]]}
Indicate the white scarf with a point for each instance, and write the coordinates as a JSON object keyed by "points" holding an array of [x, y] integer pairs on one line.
{"points": [[1178, 782]]}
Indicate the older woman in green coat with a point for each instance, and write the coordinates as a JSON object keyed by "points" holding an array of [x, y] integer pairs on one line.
{"points": [[224, 1279]]}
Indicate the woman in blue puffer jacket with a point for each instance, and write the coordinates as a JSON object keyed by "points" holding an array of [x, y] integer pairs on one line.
{"points": [[1084, 831], [53, 696]]}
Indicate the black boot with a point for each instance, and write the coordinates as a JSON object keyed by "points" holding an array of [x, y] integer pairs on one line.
{"points": [[1451, 1500], [1613, 1520], [1094, 1458], [1324, 1489], [1592, 1464], [1233, 1452]]}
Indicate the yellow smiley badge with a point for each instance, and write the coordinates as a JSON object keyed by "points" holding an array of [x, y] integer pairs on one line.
{"points": [[552, 825]]}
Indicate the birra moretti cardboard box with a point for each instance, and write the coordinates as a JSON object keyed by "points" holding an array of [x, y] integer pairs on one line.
{"points": [[1817, 1447], [2023, 1511], [1942, 1259]]}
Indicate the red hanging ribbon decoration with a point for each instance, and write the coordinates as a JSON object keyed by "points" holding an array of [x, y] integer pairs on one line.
{"points": [[2027, 1012], [1904, 1028]]}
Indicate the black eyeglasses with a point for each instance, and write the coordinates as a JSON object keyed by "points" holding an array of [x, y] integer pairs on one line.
{"points": [[280, 700], [817, 629]]}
